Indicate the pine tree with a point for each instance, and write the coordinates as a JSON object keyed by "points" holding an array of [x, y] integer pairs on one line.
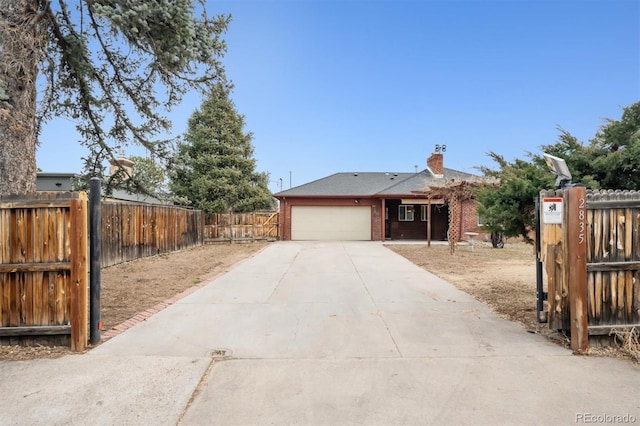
{"points": [[114, 67], [215, 169], [609, 161]]}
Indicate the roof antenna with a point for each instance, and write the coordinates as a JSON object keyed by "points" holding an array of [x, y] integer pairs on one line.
{"points": [[416, 167]]}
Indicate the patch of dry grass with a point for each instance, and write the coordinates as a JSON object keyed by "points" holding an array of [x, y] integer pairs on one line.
{"points": [[628, 342]]}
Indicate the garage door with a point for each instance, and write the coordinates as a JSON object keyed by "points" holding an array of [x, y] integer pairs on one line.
{"points": [[331, 223]]}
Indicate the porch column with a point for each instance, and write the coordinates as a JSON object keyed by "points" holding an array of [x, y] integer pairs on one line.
{"points": [[429, 223], [383, 217]]}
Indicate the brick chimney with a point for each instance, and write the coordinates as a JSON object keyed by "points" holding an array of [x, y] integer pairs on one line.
{"points": [[435, 163]]}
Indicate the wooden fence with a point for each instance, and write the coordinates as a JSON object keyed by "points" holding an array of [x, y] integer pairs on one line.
{"points": [[44, 266], [592, 261], [241, 226], [613, 260], [133, 230]]}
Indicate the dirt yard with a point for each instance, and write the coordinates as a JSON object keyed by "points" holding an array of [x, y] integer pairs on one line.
{"points": [[505, 279]]}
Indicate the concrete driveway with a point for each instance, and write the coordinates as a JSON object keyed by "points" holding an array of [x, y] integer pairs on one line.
{"points": [[322, 334]]}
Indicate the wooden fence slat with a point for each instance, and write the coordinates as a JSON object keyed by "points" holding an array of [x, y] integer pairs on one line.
{"points": [[628, 296], [79, 273], [3, 310], [628, 236], [597, 294], [46, 242], [28, 301], [14, 300], [61, 292], [4, 236], [60, 234], [52, 296], [621, 299], [591, 296], [613, 242], [37, 298], [6, 301]]}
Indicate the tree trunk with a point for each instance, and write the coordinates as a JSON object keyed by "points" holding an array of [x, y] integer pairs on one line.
{"points": [[19, 55]]}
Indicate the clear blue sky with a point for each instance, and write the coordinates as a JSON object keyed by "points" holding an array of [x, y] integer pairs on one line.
{"points": [[338, 86]]}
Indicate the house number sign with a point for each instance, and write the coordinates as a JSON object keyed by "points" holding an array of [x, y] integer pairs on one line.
{"points": [[582, 222]]}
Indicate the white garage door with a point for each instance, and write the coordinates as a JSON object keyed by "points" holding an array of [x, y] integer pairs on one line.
{"points": [[331, 223]]}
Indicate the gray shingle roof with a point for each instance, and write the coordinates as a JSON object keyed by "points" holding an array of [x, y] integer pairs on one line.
{"points": [[373, 183]]}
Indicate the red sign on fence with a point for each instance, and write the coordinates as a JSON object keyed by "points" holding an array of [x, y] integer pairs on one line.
{"points": [[552, 211]]}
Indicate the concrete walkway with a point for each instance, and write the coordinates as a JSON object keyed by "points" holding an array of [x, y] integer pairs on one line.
{"points": [[322, 334]]}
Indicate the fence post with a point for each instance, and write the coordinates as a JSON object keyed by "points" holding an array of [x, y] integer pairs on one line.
{"points": [[253, 226], [575, 260], [79, 274], [540, 294], [95, 253]]}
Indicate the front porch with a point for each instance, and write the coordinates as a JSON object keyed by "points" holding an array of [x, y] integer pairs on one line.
{"points": [[415, 219]]}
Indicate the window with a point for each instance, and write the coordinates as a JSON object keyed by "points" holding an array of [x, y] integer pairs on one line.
{"points": [[481, 220], [423, 213], [405, 213]]}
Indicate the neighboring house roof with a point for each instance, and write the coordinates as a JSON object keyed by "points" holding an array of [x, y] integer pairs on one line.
{"points": [[54, 181], [46, 181], [373, 183], [124, 195]]}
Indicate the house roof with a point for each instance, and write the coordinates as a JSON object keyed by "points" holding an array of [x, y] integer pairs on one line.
{"points": [[368, 184], [55, 175]]}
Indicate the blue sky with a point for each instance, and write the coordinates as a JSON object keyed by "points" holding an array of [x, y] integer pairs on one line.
{"points": [[339, 86]]}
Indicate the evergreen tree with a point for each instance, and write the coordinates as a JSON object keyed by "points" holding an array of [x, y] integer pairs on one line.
{"points": [[611, 160], [507, 207], [215, 169], [114, 67]]}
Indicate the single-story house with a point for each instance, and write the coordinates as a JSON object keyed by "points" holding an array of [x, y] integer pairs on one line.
{"points": [[46, 181], [54, 181], [376, 206]]}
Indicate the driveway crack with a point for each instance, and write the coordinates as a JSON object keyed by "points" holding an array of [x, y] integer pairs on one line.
{"points": [[283, 276], [198, 390]]}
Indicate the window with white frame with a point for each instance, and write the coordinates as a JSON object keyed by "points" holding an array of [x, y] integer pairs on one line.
{"points": [[423, 212], [405, 213]]}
